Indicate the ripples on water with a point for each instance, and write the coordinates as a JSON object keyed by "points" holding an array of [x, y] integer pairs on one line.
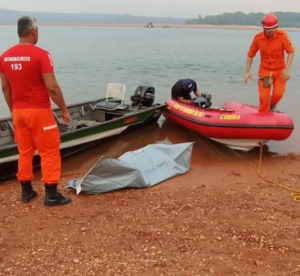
{"points": [[86, 59]]}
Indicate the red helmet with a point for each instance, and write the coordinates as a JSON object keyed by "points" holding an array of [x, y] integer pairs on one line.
{"points": [[270, 21]]}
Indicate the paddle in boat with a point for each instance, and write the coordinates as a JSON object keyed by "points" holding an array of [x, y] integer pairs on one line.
{"points": [[91, 121], [238, 126]]}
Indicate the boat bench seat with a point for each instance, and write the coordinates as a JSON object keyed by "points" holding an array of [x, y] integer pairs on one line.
{"points": [[108, 105]]}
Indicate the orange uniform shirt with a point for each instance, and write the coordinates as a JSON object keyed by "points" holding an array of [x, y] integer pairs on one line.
{"points": [[272, 49]]}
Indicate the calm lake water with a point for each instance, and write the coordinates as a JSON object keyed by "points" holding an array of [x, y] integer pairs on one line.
{"points": [[86, 59]]}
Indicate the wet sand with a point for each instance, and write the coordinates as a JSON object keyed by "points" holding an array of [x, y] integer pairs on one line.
{"points": [[219, 219], [205, 151], [166, 132]]}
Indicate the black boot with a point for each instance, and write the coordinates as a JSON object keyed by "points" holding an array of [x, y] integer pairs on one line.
{"points": [[27, 192], [54, 198]]}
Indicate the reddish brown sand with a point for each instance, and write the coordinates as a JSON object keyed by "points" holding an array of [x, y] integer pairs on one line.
{"points": [[220, 218]]}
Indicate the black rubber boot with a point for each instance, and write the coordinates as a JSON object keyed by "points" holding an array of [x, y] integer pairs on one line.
{"points": [[54, 198], [27, 192], [272, 108]]}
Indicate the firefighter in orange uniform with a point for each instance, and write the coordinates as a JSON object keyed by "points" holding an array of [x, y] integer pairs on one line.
{"points": [[28, 82], [273, 71]]}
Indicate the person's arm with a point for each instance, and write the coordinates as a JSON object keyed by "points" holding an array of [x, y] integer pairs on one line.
{"points": [[249, 64], [181, 99], [250, 55], [56, 95], [6, 91], [289, 48], [47, 71], [286, 72], [179, 95], [197, 93], [289, 60], [248, 75]]}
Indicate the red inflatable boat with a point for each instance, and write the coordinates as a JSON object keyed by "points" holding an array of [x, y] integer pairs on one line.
{"points": [[239, 126]]}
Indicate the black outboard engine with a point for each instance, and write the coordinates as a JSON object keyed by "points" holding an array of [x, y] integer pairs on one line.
{"points": [[203, 101], [143, 95]]}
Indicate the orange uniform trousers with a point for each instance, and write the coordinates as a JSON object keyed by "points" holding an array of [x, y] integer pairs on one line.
{"points": [[266, 100], [36, 129]]}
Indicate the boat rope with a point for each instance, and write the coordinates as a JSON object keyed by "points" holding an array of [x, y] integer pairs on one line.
{"points": [[81, 123], [295, 194]]}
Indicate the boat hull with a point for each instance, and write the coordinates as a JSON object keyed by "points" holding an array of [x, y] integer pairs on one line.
{"points": [[233, 125], [80, 139]]}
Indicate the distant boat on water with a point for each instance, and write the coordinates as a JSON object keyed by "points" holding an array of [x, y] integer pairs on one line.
{"points": [[149, 25]]}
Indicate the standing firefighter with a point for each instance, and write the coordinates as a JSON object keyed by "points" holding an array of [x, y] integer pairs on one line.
{"points": [[273, 70], [28, 82]]}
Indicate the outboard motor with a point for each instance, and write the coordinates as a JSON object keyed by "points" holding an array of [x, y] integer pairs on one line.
{"points": [[143, 95], [204, 101]]}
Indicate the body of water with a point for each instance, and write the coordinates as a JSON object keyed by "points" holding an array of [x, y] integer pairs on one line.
{"points": [[86, 59]]}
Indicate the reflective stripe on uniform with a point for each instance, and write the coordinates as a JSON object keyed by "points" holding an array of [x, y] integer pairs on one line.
{"points": [[50, 127]]}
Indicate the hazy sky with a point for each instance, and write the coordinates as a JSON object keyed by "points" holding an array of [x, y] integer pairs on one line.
{"points": [[160, 8]]}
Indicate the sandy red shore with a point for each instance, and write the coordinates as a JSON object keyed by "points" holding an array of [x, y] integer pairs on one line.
{"points": [[220, 219]]}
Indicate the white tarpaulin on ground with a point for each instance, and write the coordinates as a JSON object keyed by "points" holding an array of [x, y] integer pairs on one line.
{"points": [[141, 168]]}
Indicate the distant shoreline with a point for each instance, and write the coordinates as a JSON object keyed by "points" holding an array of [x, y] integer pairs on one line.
{"points": [[173, 26]]}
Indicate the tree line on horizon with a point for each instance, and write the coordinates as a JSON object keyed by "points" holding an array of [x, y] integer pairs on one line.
{"points": [[11, 16], [286, 19]]}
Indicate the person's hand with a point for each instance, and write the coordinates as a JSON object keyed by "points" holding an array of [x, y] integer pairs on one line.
{"points": [[285, 74], [66, 117], [248, 76]]}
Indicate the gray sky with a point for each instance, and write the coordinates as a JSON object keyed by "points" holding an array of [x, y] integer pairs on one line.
{"points": [[160, 8]]}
